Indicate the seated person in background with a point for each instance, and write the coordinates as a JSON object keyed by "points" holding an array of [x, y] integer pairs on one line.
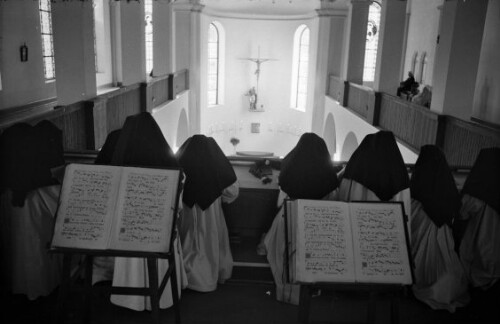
{"points": [[407, 84], [210, 181], [424, 97], [141, 143], [376, 172], [307, 172], [479, 242], [440, 280], [28, 203]]}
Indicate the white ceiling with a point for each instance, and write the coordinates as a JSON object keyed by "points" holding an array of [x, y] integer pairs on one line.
{"points": [[267, 7]]}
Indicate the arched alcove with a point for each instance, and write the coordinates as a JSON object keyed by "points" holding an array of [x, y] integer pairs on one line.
{"points": [[329, 134], [350, 145], [182, 129]]}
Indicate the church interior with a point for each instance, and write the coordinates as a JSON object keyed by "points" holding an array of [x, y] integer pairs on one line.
{"points": [[257, 103]]}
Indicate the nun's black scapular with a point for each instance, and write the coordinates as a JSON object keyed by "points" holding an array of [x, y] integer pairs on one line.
{"points": [[307, 172], [432, 184], [483, 181], [105, 155], [142, 144], [378, 165], [28, 153], [208, 171]]}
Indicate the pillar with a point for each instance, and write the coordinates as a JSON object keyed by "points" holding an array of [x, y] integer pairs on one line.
{"points": [[457, 57], [187, 16], [72, 27], [391, 44], [354, 57], [328, 58]]}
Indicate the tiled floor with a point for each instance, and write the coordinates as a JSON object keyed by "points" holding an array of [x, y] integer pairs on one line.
{"points": [[246, 302]]}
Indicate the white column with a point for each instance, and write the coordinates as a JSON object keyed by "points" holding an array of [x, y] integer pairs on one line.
{"points": [[187, 16], [354, 57], [457, 57], [337, 42], [133, 48], [72, 27], [390, 46], [328, 57], [163, 37]]}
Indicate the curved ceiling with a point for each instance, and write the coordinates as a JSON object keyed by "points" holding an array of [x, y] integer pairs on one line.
{"points": [[268, 7]]}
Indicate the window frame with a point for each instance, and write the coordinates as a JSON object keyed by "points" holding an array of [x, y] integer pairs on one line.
{"points": [[300, 68], [213, 27], [47, 32]]}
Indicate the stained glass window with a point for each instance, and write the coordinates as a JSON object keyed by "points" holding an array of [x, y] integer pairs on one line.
{"points": [[372, 33]]}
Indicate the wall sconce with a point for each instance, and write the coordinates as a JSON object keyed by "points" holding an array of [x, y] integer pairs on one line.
{"points": [[23, 51]]}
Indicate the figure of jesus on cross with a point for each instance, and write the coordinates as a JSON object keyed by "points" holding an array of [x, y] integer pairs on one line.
{"points": [[258, 61]]}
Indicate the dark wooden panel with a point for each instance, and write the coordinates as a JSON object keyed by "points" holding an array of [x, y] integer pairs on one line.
{"points": [[72, 121], [413, 124], [10, 116], [336, 88], [463, 140], [160, 91], [252, 213], [362, 101], [124, 103], [178, 82]]}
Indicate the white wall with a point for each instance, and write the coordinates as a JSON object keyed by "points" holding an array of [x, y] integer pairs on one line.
{"points": [[280, 126], [486, 104], [346, 122], [167, 117], [422, 34], [22, 82]]}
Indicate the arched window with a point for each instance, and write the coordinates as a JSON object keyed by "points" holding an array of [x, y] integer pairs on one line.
{"points": [[148, 10], [373, 28], [300, 68], [47, 40], [213, 64]]}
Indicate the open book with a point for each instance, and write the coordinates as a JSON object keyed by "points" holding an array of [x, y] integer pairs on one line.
{"points": [[116, 208], [333, 241]]}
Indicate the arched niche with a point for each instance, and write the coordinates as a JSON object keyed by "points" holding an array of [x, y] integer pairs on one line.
{"points": [[350, 145], [329, 134], [182, 129]]}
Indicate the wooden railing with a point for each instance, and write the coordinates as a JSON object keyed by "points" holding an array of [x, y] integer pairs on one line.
{"points": [[463, 140], [363, 101], [85, 124], [416, 125], [178, 82], [413, 124], [336, 88]]}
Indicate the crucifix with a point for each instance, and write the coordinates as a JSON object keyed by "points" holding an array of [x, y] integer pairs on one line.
{"points": [[253, 92]]}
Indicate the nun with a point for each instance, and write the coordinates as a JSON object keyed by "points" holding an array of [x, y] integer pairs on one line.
{"points": [[28, 204], [210, 181], [376, 172], [479, 248], [142, 144], [440, 280], [307, 172]]}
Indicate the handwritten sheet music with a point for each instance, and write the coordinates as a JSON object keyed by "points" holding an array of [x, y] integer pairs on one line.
{"points": [[145, 213], [381, 254], [86, 205], [326, 241]]}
